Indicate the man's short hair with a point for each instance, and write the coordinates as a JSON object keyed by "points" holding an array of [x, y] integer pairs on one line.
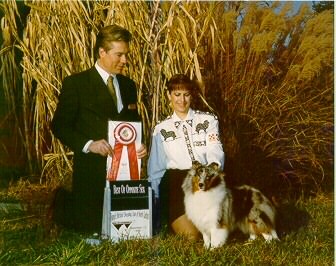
{"points": [[110, 34]]}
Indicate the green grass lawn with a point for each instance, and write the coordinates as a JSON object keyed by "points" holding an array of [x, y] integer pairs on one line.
{"points": [[305, 227]]}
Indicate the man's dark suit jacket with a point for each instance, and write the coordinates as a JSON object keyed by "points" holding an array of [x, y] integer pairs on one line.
{"points": [[82, 114]]}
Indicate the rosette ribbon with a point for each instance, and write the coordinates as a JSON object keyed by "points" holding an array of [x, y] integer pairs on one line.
{"points": [[125, 135]]}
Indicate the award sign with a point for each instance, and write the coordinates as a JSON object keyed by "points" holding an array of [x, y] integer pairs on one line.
{"points": [[125, 138], [127, 209], [131, 210]]}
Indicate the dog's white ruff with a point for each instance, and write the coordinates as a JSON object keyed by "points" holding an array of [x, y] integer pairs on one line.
{"points": [[204, 209]]}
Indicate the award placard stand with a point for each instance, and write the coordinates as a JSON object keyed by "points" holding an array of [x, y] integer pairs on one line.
{"points": [[127, 210]]}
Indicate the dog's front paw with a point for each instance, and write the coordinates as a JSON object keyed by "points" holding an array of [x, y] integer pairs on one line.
{"points": [[218, 237], [252, 237], [207, 240], [272, 236], [215, 244], [207, 245]]}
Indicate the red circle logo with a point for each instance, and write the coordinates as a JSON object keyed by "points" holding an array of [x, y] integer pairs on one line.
{"points": [[125, 133]]}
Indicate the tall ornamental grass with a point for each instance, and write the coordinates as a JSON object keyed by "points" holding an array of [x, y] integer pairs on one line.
{"points": [[266, 71]]}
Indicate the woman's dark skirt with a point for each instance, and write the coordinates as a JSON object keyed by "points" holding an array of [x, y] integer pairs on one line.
{"points": [[171, 197]]}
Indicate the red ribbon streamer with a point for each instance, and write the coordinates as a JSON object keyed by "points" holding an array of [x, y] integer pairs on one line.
{"points": [[132, 159]]}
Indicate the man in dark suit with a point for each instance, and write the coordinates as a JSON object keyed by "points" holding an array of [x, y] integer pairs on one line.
{"points": [[86, 103]]}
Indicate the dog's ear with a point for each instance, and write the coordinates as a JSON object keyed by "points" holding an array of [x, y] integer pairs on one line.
{"points": [[214, 166], [196, 164]]}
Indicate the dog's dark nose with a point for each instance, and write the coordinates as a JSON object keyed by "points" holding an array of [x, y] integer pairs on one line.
{"points": [[201, 185]]}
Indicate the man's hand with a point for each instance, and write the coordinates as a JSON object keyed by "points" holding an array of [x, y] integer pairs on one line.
{"points": [[142, 151], [101, 147]]}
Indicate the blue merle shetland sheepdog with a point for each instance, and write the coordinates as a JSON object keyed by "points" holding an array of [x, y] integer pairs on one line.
{"points": [[216, 210]]}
